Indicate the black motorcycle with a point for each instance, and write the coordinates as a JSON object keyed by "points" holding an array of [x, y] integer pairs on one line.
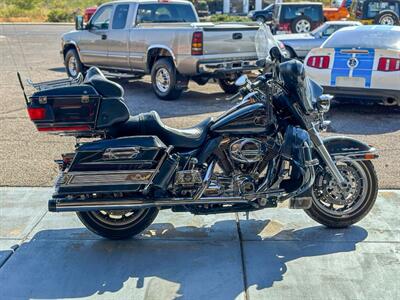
{"points": [[263, 151]]}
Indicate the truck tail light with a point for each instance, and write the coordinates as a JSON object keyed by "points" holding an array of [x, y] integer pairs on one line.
{"points": [[387, 64], [319, 62], [197, 43], [66, 128], [284, 27], [37, 113]]}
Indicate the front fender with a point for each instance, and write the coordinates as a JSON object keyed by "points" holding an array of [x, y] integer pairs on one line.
{"points": [[346, 148]]}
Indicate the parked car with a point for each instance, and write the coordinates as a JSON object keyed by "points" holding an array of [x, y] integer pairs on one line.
{"points": [[263, 15], [336, 13], [359, 63], [299, 44], [383, 12], [297, 17], [164, 39]]}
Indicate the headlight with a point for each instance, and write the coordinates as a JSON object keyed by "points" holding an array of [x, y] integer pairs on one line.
{"points": [[324, 103]]}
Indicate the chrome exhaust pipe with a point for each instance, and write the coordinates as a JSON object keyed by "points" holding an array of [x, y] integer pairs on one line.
{"points": [[62, 205]]}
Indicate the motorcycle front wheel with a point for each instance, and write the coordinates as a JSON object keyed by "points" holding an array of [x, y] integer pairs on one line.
{"points": [[335, 207], [117, 225]]}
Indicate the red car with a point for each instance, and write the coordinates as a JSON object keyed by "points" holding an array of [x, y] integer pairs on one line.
{"points": [[89, 13]]}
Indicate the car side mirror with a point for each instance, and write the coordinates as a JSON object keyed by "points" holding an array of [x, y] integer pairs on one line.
{"points": [[242, 80], [79, 23]]}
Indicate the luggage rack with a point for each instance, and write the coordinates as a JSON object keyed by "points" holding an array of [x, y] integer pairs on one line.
{"points": [[41, 86]]}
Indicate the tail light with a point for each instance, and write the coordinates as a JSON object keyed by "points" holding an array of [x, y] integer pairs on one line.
{"points": [[197, 43], [37, 113], [284, 27], [319, 62], [387, 64]]}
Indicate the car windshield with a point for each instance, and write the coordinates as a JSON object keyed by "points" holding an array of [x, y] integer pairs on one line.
{"points": [[379, 39]]}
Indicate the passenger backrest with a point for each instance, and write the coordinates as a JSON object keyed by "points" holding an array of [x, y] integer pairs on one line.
{"points": [[103, 86]]}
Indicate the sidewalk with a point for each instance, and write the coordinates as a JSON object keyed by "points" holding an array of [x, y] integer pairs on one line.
{"points": [[275, 254]]}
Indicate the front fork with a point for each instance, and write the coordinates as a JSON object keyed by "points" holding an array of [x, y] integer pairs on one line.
{"points": [[323, 152]]}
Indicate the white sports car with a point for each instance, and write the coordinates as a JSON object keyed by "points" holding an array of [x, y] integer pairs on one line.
{"points": [[359, 63]]}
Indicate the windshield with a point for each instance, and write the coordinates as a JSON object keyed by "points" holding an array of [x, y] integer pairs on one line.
{"points": [[265, 41]]}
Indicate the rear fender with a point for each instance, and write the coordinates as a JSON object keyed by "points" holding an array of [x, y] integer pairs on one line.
{"points": [[342, 148]]}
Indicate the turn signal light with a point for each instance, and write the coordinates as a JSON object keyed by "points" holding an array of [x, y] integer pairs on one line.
{"points": [[387, 64], [319, 62], [37, 113], [197, 43]]}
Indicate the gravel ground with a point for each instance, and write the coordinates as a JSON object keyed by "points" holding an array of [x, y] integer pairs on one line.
{"points": [[26, 156]]}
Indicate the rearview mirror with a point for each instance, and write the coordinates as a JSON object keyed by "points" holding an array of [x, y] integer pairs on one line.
{"points": [[79, 23], [242, 80]]}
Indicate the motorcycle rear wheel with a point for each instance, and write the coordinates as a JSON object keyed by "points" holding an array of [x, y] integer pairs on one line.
{"points": [[118, 225], [330, 212]]}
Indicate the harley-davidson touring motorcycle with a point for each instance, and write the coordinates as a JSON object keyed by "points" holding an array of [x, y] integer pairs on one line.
{"points": [[263, 151]]}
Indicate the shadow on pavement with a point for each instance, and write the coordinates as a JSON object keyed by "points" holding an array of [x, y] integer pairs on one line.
{"points": [[363, 119], [159, 268]]}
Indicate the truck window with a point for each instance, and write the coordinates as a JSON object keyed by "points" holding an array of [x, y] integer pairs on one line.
{"points": [[291, 12], [101, 19], [120, 15], [164, 13]]}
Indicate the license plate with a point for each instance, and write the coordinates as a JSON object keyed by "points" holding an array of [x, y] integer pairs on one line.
{"points": [[350, 81]]}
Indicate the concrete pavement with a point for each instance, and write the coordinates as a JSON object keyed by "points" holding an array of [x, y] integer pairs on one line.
{"points": [[274, 254]]}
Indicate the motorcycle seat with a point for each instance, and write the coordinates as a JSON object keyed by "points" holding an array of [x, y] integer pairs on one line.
{"points": [[151, 124], [102, 85]]}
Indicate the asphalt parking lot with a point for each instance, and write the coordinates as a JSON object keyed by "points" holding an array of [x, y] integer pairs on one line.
{"points": [[272, 254], [26, 156]]}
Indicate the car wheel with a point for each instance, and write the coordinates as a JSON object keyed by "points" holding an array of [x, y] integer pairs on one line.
{"points": [[164, 80], [301, 24], [387, 18], [291, 52], [73, 64], [260, 19]]}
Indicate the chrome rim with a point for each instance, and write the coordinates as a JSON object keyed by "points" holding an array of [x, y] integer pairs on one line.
{"points": [[332, 199], [303, 26], [387, 20], [118, 217], [72, 68], [163, 80]]}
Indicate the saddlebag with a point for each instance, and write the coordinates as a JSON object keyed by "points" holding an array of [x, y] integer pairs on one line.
{"points": [[127, 164]]}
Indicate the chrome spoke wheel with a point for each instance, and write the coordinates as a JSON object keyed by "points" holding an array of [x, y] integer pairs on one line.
{"points": [[72, 66], [118, 217], [163, 80], [337, 201], [387, 20], [303, 26]]}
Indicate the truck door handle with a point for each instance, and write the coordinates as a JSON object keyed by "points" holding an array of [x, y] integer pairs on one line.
{"points": [[104, 36], [237, 36]]}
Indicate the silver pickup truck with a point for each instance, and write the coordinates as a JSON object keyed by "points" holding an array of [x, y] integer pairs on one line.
{"points": [[162, 38]]}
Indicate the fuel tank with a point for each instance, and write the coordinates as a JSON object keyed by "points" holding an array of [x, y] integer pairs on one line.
{"points": [[255, 118]]}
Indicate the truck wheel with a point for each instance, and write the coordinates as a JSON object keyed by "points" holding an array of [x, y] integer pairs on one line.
{"points": [[73, 64], [301, 24], [228, 85], [117, 225], [164, 79], [387, 18]]}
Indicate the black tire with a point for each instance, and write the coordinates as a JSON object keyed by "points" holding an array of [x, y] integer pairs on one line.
{"points": [[260, 19], [116, 231], [228, 86], [291, 52], [335, 221], [297, 22], [72, 57], [166, 90], [385, 16]]}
